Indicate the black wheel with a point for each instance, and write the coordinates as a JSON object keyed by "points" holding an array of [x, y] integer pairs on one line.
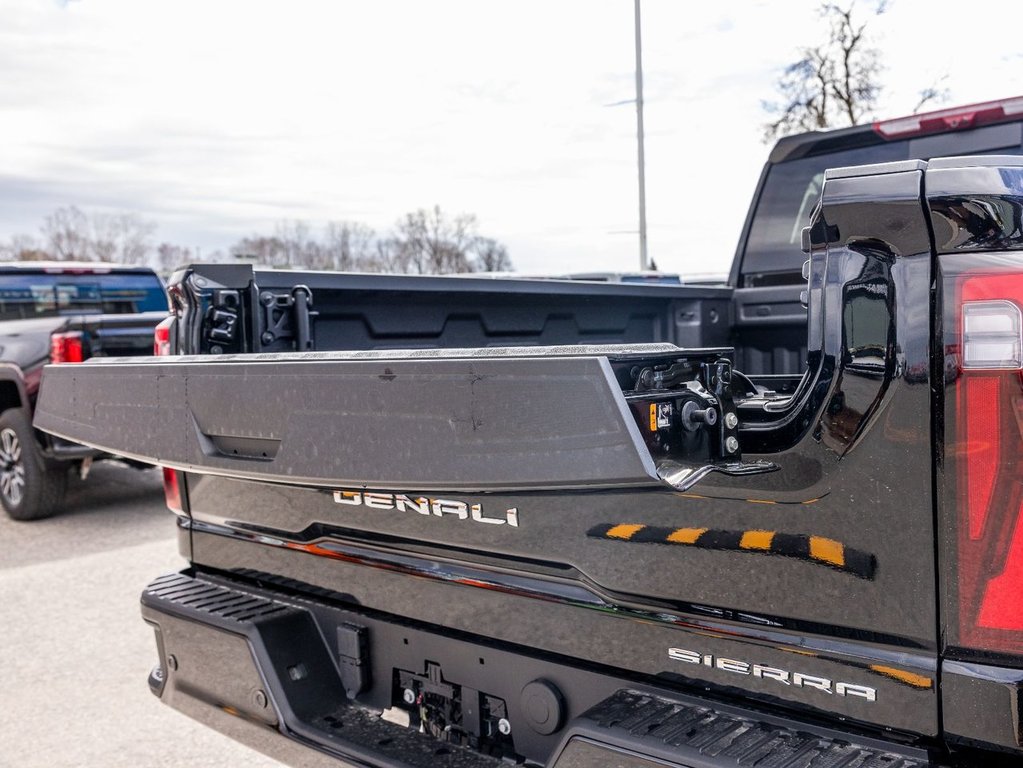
{"points": [[29, 488]]}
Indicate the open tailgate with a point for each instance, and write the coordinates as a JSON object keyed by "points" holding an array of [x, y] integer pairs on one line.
{"points": [[530, 497]]}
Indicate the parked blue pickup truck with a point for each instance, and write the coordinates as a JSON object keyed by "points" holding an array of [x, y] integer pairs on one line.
{"points": [[61, 312]]}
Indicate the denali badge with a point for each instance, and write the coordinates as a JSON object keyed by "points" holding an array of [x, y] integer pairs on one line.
{"points": [[782, 676], [425, 506]]}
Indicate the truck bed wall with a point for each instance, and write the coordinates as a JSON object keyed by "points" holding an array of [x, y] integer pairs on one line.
{"points": [[361, 311]]}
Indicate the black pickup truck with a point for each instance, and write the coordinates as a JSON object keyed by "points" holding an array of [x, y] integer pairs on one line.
{"points": [[574, 555], [417, 539], [61, 312]]}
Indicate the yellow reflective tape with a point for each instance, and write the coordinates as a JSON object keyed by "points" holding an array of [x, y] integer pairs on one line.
{"points": [[827, 550], [624, 531], [760, 501], [685, 535], [909, 678], [653, 417], [756, 540]]}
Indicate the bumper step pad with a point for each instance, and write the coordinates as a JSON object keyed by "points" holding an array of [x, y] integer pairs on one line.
{"points": [[700, 735], [313, 707]]}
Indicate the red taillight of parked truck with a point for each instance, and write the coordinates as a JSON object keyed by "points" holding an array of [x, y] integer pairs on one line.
{"points": [[172, 491], [171, 478], [67, 347], [162, 337], [985, 443]]}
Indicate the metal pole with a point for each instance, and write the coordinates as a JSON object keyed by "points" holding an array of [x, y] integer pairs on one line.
{"points": [[643, 262]]}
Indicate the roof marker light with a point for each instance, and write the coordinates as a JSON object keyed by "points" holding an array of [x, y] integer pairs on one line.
{"points": [[953, 119]]}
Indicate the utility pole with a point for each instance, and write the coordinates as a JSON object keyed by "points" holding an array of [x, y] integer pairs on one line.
{"points": [[643, 261]]}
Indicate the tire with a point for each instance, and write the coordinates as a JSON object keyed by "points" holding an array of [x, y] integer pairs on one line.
{"points": [[30, 489]]}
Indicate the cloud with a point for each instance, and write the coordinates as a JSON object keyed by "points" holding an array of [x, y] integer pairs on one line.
{"points": [[218, 119]]}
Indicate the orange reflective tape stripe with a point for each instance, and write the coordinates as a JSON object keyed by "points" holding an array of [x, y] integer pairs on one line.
{"points": [[624, 531], [827, 550], [756, 540], [685, 535]]}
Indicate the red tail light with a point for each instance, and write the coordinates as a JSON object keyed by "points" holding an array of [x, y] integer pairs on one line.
{"points": [[172, 491], [986, 443], [161, 337], [67, 347], [171, 478]]}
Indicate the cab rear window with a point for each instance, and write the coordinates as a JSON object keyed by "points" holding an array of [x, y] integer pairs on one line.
{"points": [[773, 255], [26, 295], [786, 200]]}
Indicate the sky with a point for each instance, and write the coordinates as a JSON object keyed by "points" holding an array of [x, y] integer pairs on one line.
{"points": [[217, 119]]}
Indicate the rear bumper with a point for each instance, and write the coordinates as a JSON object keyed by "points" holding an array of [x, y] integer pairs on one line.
{"points": [[305, 681]]}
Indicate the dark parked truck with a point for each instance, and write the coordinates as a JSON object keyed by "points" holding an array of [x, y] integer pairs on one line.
{"points": [[616, 547], [61, 312]]}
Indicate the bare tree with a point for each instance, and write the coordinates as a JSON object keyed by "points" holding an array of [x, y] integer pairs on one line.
{"points": [[836, 83], [261, 249], [832, 84], [23, 248], [425, 241], [67, 234], [932, 94], [429, 243], [386, 257], [348, 246], [298, 247], [490, 256], [170, 256], [102, 245], [125, 238], [133, 238], [293, 245]]}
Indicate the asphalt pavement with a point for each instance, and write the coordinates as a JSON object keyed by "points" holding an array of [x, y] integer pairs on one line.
{"points": [[74, 652]]}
